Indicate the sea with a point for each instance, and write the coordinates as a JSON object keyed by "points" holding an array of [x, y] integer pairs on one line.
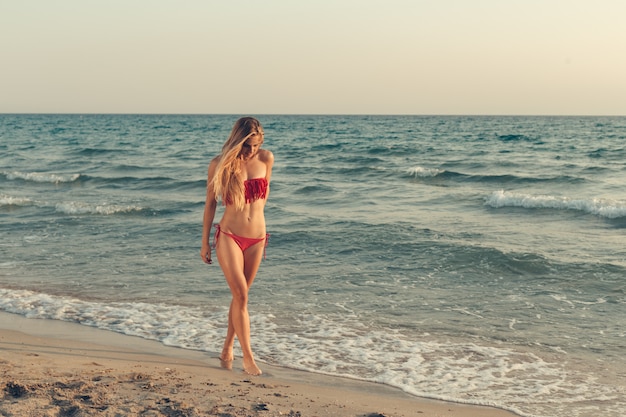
{"points": [[474, 259]]}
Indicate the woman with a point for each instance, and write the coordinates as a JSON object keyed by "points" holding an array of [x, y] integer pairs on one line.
{"points": [[240, 177]]}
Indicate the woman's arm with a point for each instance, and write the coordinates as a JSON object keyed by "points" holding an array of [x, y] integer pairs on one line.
{"points": [[210, 207], [267, 157]]}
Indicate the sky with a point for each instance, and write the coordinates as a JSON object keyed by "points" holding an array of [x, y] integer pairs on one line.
{"points": [[517, 57]]}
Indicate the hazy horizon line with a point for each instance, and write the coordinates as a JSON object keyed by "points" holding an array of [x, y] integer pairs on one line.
{"points": [[313, 114]]}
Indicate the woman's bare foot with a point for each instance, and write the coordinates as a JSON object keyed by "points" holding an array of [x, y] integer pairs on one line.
{"points": [[226, 364], [226, 358], [227, 354], [249, 366]]}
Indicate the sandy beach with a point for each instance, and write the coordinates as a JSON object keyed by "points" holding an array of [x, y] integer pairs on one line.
{"points": [[51, 368]]}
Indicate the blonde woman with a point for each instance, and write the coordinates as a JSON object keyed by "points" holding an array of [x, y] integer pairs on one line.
{"points": [[240, 178]]}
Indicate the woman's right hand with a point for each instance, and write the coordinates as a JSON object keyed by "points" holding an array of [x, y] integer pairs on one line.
{"points": [[205, 254]]}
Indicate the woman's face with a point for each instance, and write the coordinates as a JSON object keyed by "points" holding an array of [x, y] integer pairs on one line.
{"points": [[251, 146]]}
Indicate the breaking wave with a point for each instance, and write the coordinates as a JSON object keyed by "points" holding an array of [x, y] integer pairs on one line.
{"points": [[608, 208], [41, 177]]}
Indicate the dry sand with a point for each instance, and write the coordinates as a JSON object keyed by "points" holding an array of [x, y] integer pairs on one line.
{"points": [[51, 368]]}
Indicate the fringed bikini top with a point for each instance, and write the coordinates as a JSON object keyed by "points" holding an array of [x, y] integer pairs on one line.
{"points": [[255, 189]]}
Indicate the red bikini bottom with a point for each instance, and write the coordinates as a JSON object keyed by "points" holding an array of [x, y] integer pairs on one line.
{"points": [[241, 241]]}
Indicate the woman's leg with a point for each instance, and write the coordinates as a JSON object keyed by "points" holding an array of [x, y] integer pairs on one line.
{"points": [[252, 261], [239, 270], [227, 356]]}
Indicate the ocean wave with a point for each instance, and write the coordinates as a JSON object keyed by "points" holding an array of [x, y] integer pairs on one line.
{"points": [[91, 152], [611, 209], [41, 177], [157, 183], [425, 173], [185, 327], [421, 172], [315, 189], [516, 138], [7, 200], [74, 207]]}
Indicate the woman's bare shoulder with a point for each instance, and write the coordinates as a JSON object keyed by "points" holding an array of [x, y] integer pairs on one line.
{"points": [[266, 156], [213, 164], [215, 161]]}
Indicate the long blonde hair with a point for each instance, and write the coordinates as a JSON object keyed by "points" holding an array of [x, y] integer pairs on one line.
{"points": [[227, 182]]}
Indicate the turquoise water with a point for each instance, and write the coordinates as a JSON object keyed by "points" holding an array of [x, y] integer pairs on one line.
{"points": [[473, 259]]}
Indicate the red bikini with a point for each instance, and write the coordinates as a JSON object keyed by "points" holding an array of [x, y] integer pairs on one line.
{"points": [[241, 241], [255, 189]]}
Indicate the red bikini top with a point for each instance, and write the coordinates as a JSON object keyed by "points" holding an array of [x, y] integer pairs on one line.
{"points": [[255, 189]]}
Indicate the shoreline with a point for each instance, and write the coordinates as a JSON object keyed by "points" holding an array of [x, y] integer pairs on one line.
{"points": [[50, 367]]}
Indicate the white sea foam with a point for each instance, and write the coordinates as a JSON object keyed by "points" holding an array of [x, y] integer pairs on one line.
{"points": [[608, 208], [191, 328], [41, 177], [71, 207], [74, 207], [425, 172], [7, 200], [519, 381], [466, 372]]}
